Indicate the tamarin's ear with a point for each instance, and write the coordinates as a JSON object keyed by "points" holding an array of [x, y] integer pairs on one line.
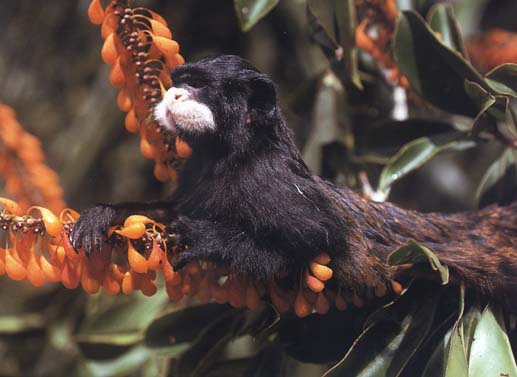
{"points": [[263, 94]]}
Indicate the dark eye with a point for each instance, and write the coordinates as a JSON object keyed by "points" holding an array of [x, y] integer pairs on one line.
{"points": [[195, 83]]}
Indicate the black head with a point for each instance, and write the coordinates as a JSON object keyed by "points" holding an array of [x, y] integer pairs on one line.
{"points": [[220, 101]]}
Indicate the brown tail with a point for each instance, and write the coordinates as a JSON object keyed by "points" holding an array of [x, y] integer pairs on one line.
{"points": [[480, 247]]}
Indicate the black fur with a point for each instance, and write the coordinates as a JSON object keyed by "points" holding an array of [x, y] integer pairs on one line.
{"points": [[250, 203], [247, 197]]}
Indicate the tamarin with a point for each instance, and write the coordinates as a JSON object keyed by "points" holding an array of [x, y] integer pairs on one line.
{"points": [[246, 200]]}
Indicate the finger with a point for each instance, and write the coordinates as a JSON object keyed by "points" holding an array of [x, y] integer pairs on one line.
{"points": [[97, 241], [76, 239], [87, 244]]}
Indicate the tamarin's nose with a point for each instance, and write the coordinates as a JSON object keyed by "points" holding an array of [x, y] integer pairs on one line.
{"points": [[178, 94]]}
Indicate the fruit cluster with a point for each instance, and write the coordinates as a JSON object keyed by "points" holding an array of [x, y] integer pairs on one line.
{"points": [[27, 177], [38, 250], [138, 45], [374, 34]]}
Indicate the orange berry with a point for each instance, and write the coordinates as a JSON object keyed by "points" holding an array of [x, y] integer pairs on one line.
{"points": [[341, 303], [70, 275], [161, 172], [322, 305], [124, 102], [279, 300], [133, 231], [358, 301], [203, 293], [380, 290], [252, 297], [34, 273], [236, 292], [116, 76], [146, 149], [182, 149], [11, 206], [131, 122], [322, 272], [157, 17], [362, 40], [116, 273], [391, 7], [147, 286], [109, 53], [313, 283], [155, 260], [14, 269], [302, 308], [110, 285], [190, 285], [167, 47], [137, 261], [109, 24], [2, 258], [160, 29], [128, 283], [95, 12], [178, 60], [396, 287], [171, 277], [89, 283], [59, 255], [322, 258], [70, 252], [193, 268], [53, 225], [219, 294], [52, 273], [174, 292]]}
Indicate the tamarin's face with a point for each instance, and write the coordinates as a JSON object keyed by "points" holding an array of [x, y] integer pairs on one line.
{"points": [[223, 100]]}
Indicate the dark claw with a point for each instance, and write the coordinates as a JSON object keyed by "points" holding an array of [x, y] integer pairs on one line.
{"points": [[92, 226]]}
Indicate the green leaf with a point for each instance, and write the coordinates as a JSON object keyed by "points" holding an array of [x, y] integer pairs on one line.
{"points": [[209, 344], [386, 346], [268, 362], [385, 138], [127, 314], [414, 253], [470, 322], [456, 362], [329, 120], [332, 24], [449, 358], [181, 326], [112, 331], [469, 14], [416, 153], [122, 366], [506, 117], [485, 101], [503, 79], [441, 18], [499, 184], [491, 353], [434, 71], [21, 323], [249, 12]]}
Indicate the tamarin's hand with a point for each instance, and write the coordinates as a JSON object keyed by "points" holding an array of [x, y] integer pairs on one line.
{"points": [[92, 228]]}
